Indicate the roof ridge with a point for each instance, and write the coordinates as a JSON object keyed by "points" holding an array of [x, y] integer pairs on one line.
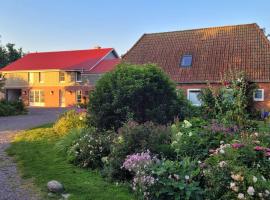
{"points": [[197, 29], [68, 50]]}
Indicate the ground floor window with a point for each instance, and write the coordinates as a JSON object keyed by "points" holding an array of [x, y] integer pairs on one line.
{"points": [[193, 96], [79, 96], [36, 98], [258, 95]]}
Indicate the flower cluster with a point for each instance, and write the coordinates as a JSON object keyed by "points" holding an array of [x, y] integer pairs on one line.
{"points": [[217, 128], [263, 149], [220, 150], [138, 164]]}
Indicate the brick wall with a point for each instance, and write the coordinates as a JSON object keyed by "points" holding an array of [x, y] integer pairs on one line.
{"points": [[260, 105]]}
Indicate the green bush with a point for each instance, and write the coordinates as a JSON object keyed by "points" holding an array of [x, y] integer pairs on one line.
{"points": [[232, 103], [133, 138], [136, 92], [91, 148], [68, 121], [176, 180], [196, 137], [8, 108]]}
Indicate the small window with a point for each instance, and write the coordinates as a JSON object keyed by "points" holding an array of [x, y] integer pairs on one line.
{"points": [[79, 96], [193, 96], [258, 95], [186, 61], [78, 77], [41, 77], [62, 76]]}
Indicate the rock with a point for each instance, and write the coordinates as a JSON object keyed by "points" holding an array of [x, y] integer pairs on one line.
{"points": [[55, 186]]}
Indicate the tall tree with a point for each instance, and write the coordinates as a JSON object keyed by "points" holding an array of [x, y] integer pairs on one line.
{"points": [[9, 54]]}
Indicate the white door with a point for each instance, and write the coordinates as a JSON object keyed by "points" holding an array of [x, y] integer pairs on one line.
{"points": [[36, 98]]}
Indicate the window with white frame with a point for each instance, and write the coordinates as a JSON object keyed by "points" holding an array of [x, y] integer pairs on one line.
{"points": [[193, 96], [78, 77], [79, 96], [62, 76], [258, 95]]}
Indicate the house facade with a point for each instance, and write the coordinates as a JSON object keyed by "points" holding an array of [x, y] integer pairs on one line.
{"points": [[193, 58], [57, 79]]}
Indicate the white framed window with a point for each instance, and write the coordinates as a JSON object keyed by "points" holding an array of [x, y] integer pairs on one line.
{"points": [[78, 77], [36, 98], [258, 95], [78, 96], [41, 77], [61, 76], [31, 77], [192, 95]]}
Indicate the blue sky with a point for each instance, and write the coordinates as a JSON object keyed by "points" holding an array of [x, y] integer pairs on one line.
{"points": [[49, 25]]}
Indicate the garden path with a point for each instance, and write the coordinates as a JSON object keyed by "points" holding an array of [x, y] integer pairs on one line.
{"points": [[12, 186]]}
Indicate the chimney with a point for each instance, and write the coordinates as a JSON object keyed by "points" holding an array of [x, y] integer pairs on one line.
{"points": [[97, 47]]}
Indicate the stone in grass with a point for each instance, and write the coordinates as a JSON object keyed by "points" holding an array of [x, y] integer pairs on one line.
{"points": [[55, 186]]}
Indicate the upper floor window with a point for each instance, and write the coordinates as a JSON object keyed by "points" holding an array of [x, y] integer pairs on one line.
{"points": [[186, 61], [258, 95], [41, 76], [31, 77], [78, 77], [62, 76]]}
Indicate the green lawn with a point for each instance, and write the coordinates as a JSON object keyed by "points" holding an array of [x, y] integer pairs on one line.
{"points": [[38, 159]]}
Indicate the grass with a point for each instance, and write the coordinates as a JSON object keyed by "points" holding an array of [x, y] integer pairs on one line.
{"points": [[37, 158]]}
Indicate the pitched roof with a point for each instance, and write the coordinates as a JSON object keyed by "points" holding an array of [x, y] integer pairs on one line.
{"points": [[61, 60], [105, 66], [214, 50]]}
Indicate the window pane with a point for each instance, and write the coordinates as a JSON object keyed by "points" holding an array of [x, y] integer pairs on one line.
{"points": [[258, 94], [78, 76], [61, 76], [186, 61], [79, 96], [193, 97], [41, 96]]}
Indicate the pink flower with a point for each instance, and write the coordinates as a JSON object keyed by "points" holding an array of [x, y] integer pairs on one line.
{"points": [[237, 145], [267, 154], [259, 148]]}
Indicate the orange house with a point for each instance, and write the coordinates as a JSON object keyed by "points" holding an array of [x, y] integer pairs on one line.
{"points": [[57, 79]]}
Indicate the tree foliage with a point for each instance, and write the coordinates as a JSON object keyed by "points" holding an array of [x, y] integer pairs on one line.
{"points": [[9, 53], [137, 92]]}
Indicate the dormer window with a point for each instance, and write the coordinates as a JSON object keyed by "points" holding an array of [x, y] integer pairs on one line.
{"points": [[186, 61]]}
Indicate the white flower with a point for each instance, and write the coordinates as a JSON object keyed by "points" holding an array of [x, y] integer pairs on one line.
{"points": [[222, 151], [263, 178], [199, 162], [250, 191], [187, 124], [267, 193], [221, 142], [241, 196], [232, 184], [254, 179], [190, 134], [260, 195], [222, 164], [187, 177]]}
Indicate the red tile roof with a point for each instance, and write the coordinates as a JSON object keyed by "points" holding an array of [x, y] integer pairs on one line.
{"points": [[105, 66], [61, 60], [214, 51]]}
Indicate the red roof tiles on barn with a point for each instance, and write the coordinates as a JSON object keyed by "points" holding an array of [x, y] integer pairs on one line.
{"points": [[214, 51]]}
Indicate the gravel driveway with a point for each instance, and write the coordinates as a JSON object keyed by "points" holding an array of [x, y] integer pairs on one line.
{"points": [[12, 187]]}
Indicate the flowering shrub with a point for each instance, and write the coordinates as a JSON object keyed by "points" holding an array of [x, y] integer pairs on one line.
{"points": [[138, 164], [133, 138], [239, 170], [91, 149], [70, 120], [194, 138]]}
